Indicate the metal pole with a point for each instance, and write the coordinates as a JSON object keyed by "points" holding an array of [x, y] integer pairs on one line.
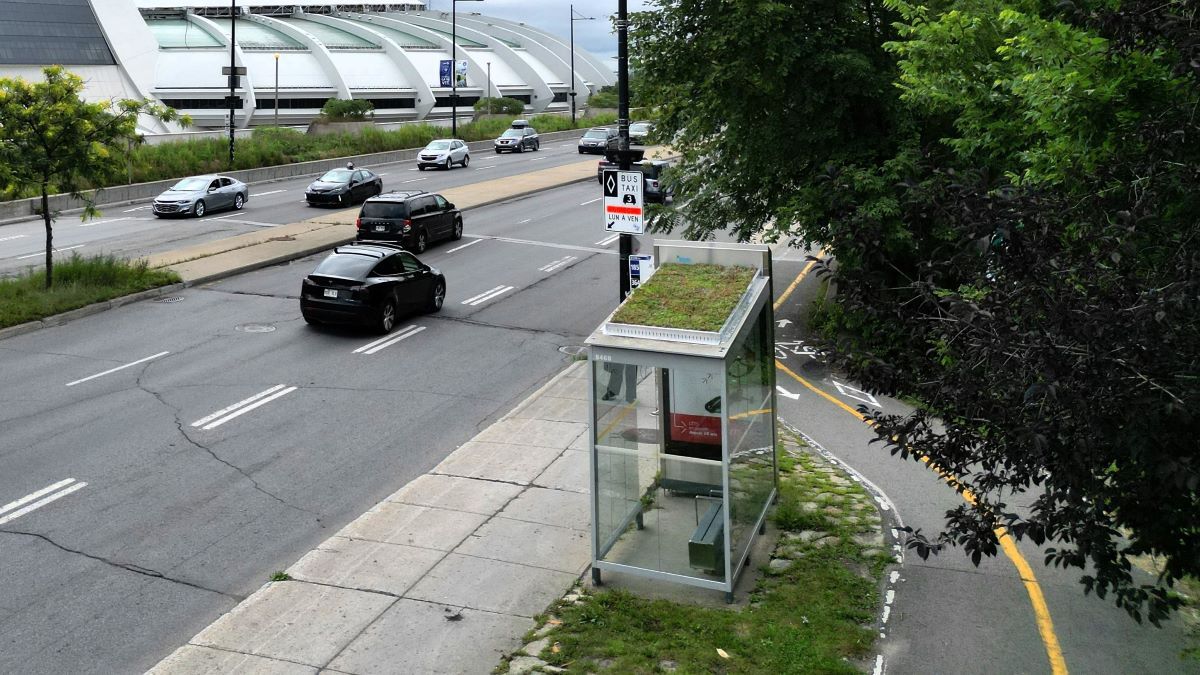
{"points": [[626, 240], [232, 70], [489, 88], [276, 88], [453, 68], [572, 85]]}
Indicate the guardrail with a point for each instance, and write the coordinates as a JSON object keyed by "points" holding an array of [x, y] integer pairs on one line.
{"points": [[118, 195]]}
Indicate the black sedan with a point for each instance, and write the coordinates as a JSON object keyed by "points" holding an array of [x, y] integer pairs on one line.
{"points": [[339, 187], [371, 284]]}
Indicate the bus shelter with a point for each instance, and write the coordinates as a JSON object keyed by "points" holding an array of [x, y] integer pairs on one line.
{"points": [[682, 442]]}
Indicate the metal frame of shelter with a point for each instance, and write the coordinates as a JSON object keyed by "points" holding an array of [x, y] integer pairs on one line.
{"points": [[682, 441]]}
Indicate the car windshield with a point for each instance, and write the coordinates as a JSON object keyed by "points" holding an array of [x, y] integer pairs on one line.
{"points": [[349, 266], [337, 176], [596, 133], [384, 210], [438, 145], [512, 133], [639, 128], [192, 184]]}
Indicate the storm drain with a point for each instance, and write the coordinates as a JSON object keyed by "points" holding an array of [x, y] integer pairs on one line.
{"points": [[170, 299], [572, 350]]}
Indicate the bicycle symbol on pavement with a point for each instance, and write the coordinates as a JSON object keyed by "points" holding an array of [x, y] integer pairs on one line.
{"points": [[796, 348]]}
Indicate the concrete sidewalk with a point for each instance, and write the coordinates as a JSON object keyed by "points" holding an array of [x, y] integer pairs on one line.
{"points": [[445, 575]]}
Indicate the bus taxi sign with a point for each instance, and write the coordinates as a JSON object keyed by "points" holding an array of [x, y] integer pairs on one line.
{"points": [[623, 205]]}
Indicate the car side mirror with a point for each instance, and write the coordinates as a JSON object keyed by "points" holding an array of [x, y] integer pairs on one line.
{"points": [[449, 206], [212, 190]]}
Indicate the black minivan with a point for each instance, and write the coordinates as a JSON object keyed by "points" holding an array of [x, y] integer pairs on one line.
{"points": [[413, 218]]}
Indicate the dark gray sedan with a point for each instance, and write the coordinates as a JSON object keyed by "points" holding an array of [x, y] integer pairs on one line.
{"points": [[198, 195]]}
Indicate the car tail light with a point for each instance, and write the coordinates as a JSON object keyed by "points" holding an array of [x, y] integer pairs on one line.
{"points": [[358, 223], [407, 225], [652, 183]]}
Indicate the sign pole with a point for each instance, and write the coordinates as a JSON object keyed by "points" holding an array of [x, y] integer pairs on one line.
{"points": [[232, 78], [626, 240]]}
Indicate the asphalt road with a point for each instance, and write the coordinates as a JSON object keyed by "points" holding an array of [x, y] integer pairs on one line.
{"points": [[179, 509], [132, 231]]}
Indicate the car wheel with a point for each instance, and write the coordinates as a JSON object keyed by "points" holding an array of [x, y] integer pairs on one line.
{"points": [[581, 151], [311, 321], [449, 163], [421, 242], [537, 145], [520, 147], [200, 209], [238, 202], [466, 160], [497, 151], [457, 229], [420, 167], [387, 316], [378, 189], [437, 298]]}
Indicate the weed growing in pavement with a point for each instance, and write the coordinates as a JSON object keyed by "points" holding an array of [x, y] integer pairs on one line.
{"points": [[78, 282], [280, 576]]}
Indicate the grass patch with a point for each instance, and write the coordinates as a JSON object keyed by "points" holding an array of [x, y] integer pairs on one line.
{"points": [[280, 576], [78, 282], [692, 297]]}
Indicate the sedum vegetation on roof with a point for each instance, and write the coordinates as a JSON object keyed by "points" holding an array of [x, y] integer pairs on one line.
{"points": [[691, 297]]}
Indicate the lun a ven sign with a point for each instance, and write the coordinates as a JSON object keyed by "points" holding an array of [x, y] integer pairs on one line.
{"points": [[623, 206]]}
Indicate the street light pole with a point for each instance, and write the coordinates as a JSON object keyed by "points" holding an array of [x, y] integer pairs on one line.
{"points": [[626, 240], [453, 68], [232, 73], [276, 89], [489, 88], [572, 91]]}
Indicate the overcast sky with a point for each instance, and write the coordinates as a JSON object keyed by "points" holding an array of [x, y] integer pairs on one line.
{"points": [[553, 16]]}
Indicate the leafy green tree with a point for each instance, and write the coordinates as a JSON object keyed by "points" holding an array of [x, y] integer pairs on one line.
{"points": [[347, 110], [1010, 192], [51, 138], [501, 106]]}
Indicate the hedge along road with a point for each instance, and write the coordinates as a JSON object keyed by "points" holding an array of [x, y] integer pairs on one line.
{"points": [[948, 615], [132, 231]]}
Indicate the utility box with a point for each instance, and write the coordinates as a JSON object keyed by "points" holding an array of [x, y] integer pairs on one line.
{"points": [[682, 442]]}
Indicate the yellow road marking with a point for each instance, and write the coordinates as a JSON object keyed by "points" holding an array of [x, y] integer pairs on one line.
{"points": [[1041, 611], [799, 277]]}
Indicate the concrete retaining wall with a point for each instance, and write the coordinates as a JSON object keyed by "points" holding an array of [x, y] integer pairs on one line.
{"points": [[24, 209]]}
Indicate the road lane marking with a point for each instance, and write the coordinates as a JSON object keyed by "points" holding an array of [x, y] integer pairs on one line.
{"points": [[487, 295], [796, 282], [547, 244], [1041, 610], [136, 208], [459, 248], [57, 250], [224, 217], [104, 222], [484, 168], [414, 180], [538, 159], [15, 236], [608, 240], [557, 264], [246, 222], [385, 342], [113, 370], [785, 392], [73, 487], [268, 192], [591, 201], [242, 407], [525, 221], [381, 174]]}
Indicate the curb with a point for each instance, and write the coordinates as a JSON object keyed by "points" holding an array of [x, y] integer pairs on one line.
{"points": [[88, 310]]}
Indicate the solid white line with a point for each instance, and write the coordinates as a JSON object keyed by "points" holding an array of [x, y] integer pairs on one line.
{"points": [[252, 406], [385, 338], [414, 180], [237, 405], [394, 340], [247, 222], [459, 248], [57, 250], [39, 504], [30, 497], [492, 295], [136, 208], [113, 370], [15, 236], [608, 240], [476, 297], [268, 192], [103, 222], [591, 201]]}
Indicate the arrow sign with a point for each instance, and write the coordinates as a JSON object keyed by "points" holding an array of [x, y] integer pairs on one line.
{"points": [[787, 393], [782, 322]]}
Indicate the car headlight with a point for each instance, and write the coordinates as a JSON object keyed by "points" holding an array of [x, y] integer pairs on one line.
{"points": [[184, 201]]}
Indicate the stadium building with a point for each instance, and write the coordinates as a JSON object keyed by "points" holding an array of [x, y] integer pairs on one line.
{"points": [[296, 57]]}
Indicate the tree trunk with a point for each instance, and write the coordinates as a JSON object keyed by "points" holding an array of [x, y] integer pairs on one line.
{"points": [[49, 237]]}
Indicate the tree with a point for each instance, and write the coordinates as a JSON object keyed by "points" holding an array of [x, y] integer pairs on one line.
{"points": [[52, 139], [1010, 192], [503, 105], [347, 110]]}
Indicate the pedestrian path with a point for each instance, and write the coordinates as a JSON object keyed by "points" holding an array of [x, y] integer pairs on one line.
{"points": [[445, 575]]}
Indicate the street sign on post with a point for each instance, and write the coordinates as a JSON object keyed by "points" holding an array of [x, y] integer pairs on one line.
{"points": [[640, 269], [623, 206]]}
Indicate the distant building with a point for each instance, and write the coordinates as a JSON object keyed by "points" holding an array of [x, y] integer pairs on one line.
{"points": [[296, 56]]}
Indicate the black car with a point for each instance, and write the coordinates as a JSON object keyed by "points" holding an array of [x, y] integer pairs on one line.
{"points": [[599, 141], [339, 187], [412, 218], [639, 132], [653, 190], [517, 139], [370, 283]]}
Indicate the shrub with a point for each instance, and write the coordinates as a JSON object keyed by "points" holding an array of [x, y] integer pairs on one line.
{"points": [[500, 106], [339, 110], [603, 99]]}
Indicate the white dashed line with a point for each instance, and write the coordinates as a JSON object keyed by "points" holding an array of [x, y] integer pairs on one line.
{"points": [[591, 201], [525, 221], [484, 168], [104, 222], [269, 192], [136, 208], [388, 341], [73, 487], [557, 264], [15, 236], [487, 295], [113, 370], [608, 240], [57, 250], [459, 248], [242, 407], [413, 180]]}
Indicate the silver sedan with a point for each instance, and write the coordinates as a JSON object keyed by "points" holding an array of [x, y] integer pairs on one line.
{"points": [[444, 153], [200, 194]]}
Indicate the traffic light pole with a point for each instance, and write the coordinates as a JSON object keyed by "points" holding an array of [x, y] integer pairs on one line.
{"points": [[626, 240]]}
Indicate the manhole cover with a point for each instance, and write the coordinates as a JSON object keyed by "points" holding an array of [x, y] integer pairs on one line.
{"points": [[572, 350], [255, 328], [170, 299]]}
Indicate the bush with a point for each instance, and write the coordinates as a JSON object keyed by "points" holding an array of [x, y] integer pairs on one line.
{"points": [[342, 110], [603, 99], [500, 106], [77, 282]]}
